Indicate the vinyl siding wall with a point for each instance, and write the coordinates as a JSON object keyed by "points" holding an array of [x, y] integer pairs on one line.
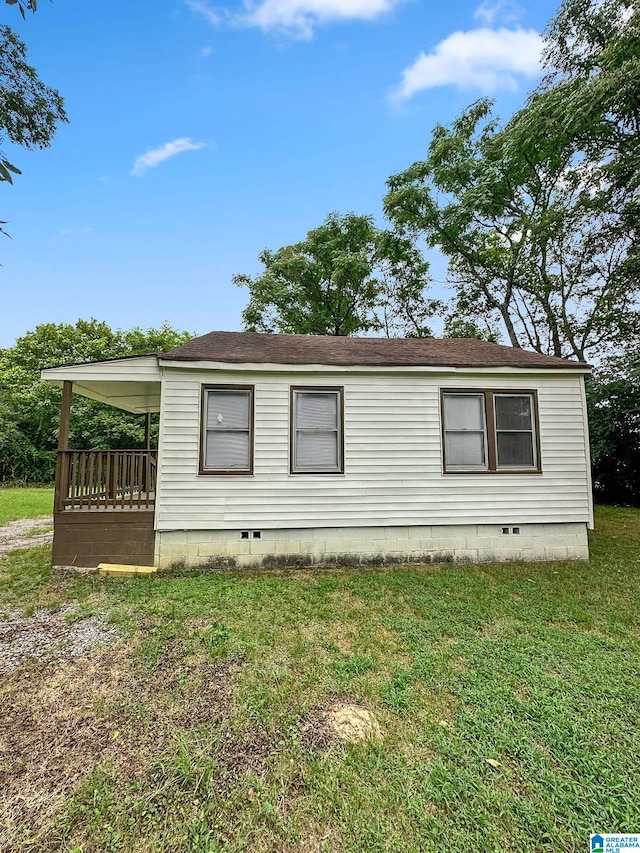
{"points": [[393, 457]]}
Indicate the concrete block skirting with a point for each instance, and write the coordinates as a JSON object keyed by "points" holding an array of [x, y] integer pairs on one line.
{"points": [[373, 546]]}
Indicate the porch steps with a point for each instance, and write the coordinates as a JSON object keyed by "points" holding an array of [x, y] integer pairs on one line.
{"points": [[117, 570]]}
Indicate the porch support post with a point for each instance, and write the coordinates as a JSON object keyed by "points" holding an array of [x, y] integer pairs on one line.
{"points": [[65, 415], [147, 444], [147, 430], [62, 468]]}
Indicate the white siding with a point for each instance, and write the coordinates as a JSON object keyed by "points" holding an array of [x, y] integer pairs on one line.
{"points": [[393, 458]]}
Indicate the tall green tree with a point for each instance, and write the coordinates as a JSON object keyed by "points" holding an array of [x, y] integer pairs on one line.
{"points": [[539, 216], [345, 277], [529, 239], [29, 407]]}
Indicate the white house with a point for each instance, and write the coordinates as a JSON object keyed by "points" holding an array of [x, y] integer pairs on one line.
{"points": [[303, 450]]}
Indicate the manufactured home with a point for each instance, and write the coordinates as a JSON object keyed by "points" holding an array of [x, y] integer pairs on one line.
{"points": [[308, 450]]}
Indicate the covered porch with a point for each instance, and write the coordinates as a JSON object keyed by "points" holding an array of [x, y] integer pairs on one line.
{"points": [[104, 501]]}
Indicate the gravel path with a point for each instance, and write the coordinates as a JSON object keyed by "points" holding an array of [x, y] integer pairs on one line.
{"points": [[22, 533], [45, 635], [48, 635]]}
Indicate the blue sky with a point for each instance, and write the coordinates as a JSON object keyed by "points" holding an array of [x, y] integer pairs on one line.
{"points": [[200, 134]]}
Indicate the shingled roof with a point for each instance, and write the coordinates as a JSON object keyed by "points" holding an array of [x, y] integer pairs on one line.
{"points": [[251, 347]]}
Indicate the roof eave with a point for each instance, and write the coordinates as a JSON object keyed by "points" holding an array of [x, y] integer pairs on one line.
{"points": [[284, 367]]}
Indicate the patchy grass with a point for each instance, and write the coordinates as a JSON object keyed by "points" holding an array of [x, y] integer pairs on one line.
{"points": [[25, 503], [507, 697]]}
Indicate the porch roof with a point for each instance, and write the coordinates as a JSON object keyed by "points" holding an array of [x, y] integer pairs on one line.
{"points": [[132, 384]]}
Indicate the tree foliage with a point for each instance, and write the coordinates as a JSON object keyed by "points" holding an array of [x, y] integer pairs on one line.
{"points": [[30, 408], [24, 6], [30, 111], [346, 276], [590, 93], [528, 238], [614, 423], [538, 216]]}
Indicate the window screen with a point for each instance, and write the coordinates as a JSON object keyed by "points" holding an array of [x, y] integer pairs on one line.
{"points": [[515, 435], [227, 429], [493, 431], [465, 435], [317, 431]]}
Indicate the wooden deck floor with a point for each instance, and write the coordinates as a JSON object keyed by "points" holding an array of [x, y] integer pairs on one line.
{"points": [[144, 502]]}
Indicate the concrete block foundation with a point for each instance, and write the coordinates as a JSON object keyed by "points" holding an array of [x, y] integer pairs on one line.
{"points": [[372, 545]]}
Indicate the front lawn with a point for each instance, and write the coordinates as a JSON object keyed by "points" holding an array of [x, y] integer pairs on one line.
{"points": [[508, 698], [25, 503]]}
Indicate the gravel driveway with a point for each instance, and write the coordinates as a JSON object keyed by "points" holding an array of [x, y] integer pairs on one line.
{"points": [[26, 533]]}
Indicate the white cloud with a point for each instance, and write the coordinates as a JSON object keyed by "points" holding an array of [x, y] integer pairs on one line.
{"points": [[206, 51], [300, 17], [499, 11], [205, 11], [482, 59], [164, 152]]}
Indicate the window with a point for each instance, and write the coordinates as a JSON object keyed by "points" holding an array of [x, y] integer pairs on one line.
{"points": [[493, 431], [465, 432], [515, 443], [227, 430], [316, 431]]}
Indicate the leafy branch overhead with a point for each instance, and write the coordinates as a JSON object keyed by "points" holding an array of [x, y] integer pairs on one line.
{"points": [[346, 276], [30, 111], [23, 5], [538, 217]]}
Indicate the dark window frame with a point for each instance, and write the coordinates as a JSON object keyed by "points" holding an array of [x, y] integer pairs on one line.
{"points": [[234, 472], [334, 389], [491, 432]]}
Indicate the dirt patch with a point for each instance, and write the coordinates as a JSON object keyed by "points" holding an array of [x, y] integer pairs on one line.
{"points": [[26, 533], [65, 717], [320, 839], [53, 733], [342, 722], [204, 687], [46, 635]]}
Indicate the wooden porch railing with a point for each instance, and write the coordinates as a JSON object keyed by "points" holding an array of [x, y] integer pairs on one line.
{"points": [[105, 480]]}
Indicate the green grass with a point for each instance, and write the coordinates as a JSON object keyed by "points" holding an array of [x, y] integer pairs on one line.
{"points": [[221, 677], [25, 503]]}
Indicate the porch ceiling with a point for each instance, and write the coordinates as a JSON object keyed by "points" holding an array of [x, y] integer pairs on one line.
{"points": [[132, 384]]}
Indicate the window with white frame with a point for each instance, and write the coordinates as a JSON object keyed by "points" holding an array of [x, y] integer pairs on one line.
{"points": [[316, 431], [494, 431], [227, 430]]}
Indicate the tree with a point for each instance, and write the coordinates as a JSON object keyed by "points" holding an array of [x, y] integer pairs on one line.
{"points": [[347, 276], [29, 407], [539, 216], [614, 425], [528, 238], [590, 92], [30, 111]]}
